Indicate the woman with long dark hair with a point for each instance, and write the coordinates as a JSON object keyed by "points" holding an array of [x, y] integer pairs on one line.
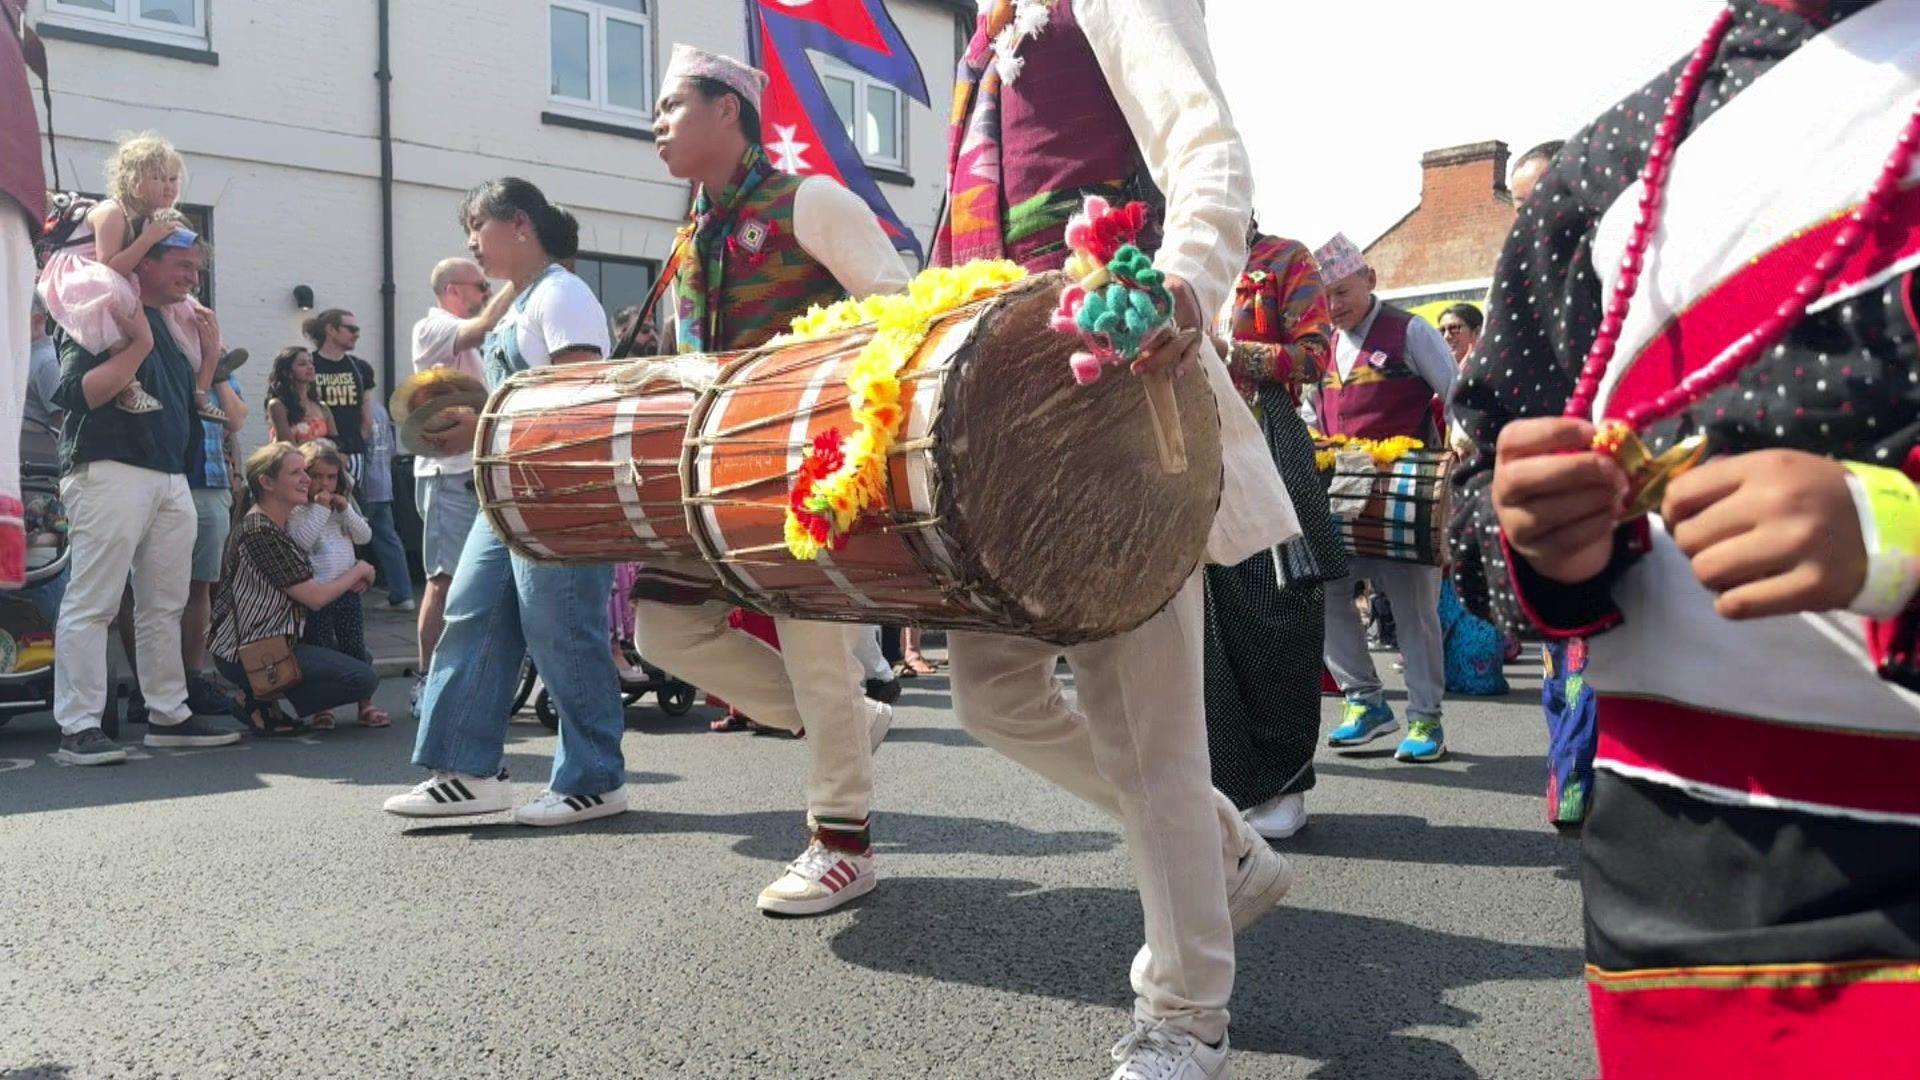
{"points": [[502, 606], [293, 407]]}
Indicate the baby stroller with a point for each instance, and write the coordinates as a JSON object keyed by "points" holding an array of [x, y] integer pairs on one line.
{"points": [[674, 697], [28, 616]]}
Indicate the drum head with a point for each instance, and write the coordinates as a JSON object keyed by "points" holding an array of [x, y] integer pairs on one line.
{"points": [[1054, 491]]}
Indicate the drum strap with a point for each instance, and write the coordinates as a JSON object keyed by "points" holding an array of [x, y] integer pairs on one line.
{"points": [[682, 239]]}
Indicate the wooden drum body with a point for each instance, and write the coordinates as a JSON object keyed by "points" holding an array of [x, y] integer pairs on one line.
{"points": [[574, 464], [1019, 502], [1396, 512]]}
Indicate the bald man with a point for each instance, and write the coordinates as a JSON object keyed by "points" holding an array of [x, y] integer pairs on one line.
{"points": [[465, 308]]}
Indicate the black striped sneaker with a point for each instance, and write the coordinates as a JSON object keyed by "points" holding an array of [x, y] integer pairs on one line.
{"points": [[553, 808], [451, 794]]}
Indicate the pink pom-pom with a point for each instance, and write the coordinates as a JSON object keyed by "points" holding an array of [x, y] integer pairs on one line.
{"points": [[1080, 236], [1086, 368], [1065, 315], [1096, 207]]}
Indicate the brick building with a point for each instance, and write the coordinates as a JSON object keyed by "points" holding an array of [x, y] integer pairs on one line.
{"points": [[1445, 248]]}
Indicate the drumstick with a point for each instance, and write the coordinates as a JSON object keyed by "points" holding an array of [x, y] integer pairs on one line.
{"points": [[1163, 403]]}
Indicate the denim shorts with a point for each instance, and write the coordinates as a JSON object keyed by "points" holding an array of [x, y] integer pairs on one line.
{"points": [[213, 507], [447, 508]]}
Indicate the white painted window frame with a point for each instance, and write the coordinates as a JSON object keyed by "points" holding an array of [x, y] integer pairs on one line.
{"points": [[598, 107], [862, 82], [125, 21]]}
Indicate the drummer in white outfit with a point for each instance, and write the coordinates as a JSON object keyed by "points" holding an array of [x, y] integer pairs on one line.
{"points": [[1138, 748], [814, 682]]}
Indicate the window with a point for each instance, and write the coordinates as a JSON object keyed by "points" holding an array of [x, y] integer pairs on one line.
{"points": [[158, 20], [872, 112], [600, 56], [617, 280]]}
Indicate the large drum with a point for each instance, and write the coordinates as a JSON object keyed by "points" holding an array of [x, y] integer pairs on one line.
{"points": [[581, 463], [1020, 503], [1397, 512]]}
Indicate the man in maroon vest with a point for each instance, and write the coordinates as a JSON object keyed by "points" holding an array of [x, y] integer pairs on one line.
{"points": [[23, 189], [1387, 369]]}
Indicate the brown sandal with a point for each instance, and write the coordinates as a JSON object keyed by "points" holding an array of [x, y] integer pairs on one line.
{"points": [[375, 717], [323, 720]]}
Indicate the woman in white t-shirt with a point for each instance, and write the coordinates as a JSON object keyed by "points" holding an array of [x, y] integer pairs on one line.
{"points": [[502, 606]]}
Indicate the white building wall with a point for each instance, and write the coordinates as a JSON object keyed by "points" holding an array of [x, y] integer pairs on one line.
{"points": [[283, 145]]}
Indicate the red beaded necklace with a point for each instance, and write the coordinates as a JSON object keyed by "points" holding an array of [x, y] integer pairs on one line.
{"points": [[1620, 437]]}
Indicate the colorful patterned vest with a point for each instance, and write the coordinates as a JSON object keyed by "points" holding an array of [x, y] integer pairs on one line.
{"points": [[1383, 395], [1024, 155], [768, 280]]}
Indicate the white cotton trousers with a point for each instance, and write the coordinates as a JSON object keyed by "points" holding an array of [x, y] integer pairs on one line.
{"points": [[17, 272], [1137, 749], [867, 650], [813, 681], [123, 519]]}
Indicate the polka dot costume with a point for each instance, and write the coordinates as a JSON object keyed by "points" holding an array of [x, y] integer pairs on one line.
{"points": [[1845, 382]]}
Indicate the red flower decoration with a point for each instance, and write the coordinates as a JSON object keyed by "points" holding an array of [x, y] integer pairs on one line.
{"points": [[1116, 229]]}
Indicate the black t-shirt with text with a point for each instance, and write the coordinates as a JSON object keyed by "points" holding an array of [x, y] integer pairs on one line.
{"points": [[340, 386]]}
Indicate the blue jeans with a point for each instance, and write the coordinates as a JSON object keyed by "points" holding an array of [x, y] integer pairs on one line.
{"points": [[388, 555], [500, 608]]}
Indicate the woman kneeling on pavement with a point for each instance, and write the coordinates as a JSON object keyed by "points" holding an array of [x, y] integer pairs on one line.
{"points": [[267, 589]]}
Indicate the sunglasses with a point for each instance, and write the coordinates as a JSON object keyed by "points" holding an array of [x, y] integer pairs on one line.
{"points": [[346, 329], [1454, 329]]}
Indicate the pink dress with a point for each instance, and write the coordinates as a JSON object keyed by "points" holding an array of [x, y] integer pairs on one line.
{"points": [[83, 295]]}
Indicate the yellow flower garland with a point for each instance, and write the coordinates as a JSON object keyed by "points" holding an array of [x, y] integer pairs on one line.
{"points": [[1383, 451], [901, 322]]}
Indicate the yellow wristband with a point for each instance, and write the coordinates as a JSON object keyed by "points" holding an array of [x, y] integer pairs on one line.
{"points": [[1893, 505], [1888, 506]]}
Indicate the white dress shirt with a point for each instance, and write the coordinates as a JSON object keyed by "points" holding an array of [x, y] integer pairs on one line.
{"points": [[1158, 66]]}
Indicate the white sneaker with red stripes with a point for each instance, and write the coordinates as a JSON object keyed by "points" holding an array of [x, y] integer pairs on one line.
{"points": [[820, 880], [553, 808], [451, 794]]}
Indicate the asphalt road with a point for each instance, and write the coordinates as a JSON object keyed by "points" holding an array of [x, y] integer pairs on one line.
{"points": [[250, 912]]}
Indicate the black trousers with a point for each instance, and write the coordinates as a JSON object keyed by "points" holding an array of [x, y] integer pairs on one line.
{"points": [[1263, 647]]}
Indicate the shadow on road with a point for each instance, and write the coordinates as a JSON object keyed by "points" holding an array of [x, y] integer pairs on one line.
{"points": [[933, 736], [1328, 987], [38, 1072], [349, 755], [778, 835], [1524, 774], [1409, 839]]}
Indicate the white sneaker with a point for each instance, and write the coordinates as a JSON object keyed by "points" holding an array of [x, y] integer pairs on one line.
{"points": [[1154, 1051], [820, 880], [553, 808], [1258, 884], [451, 794], [1255, 887], [1281, 817], [881, 723]]}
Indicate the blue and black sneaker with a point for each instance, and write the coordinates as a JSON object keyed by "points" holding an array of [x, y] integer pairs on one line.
{"points": [[1364, 722]]}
